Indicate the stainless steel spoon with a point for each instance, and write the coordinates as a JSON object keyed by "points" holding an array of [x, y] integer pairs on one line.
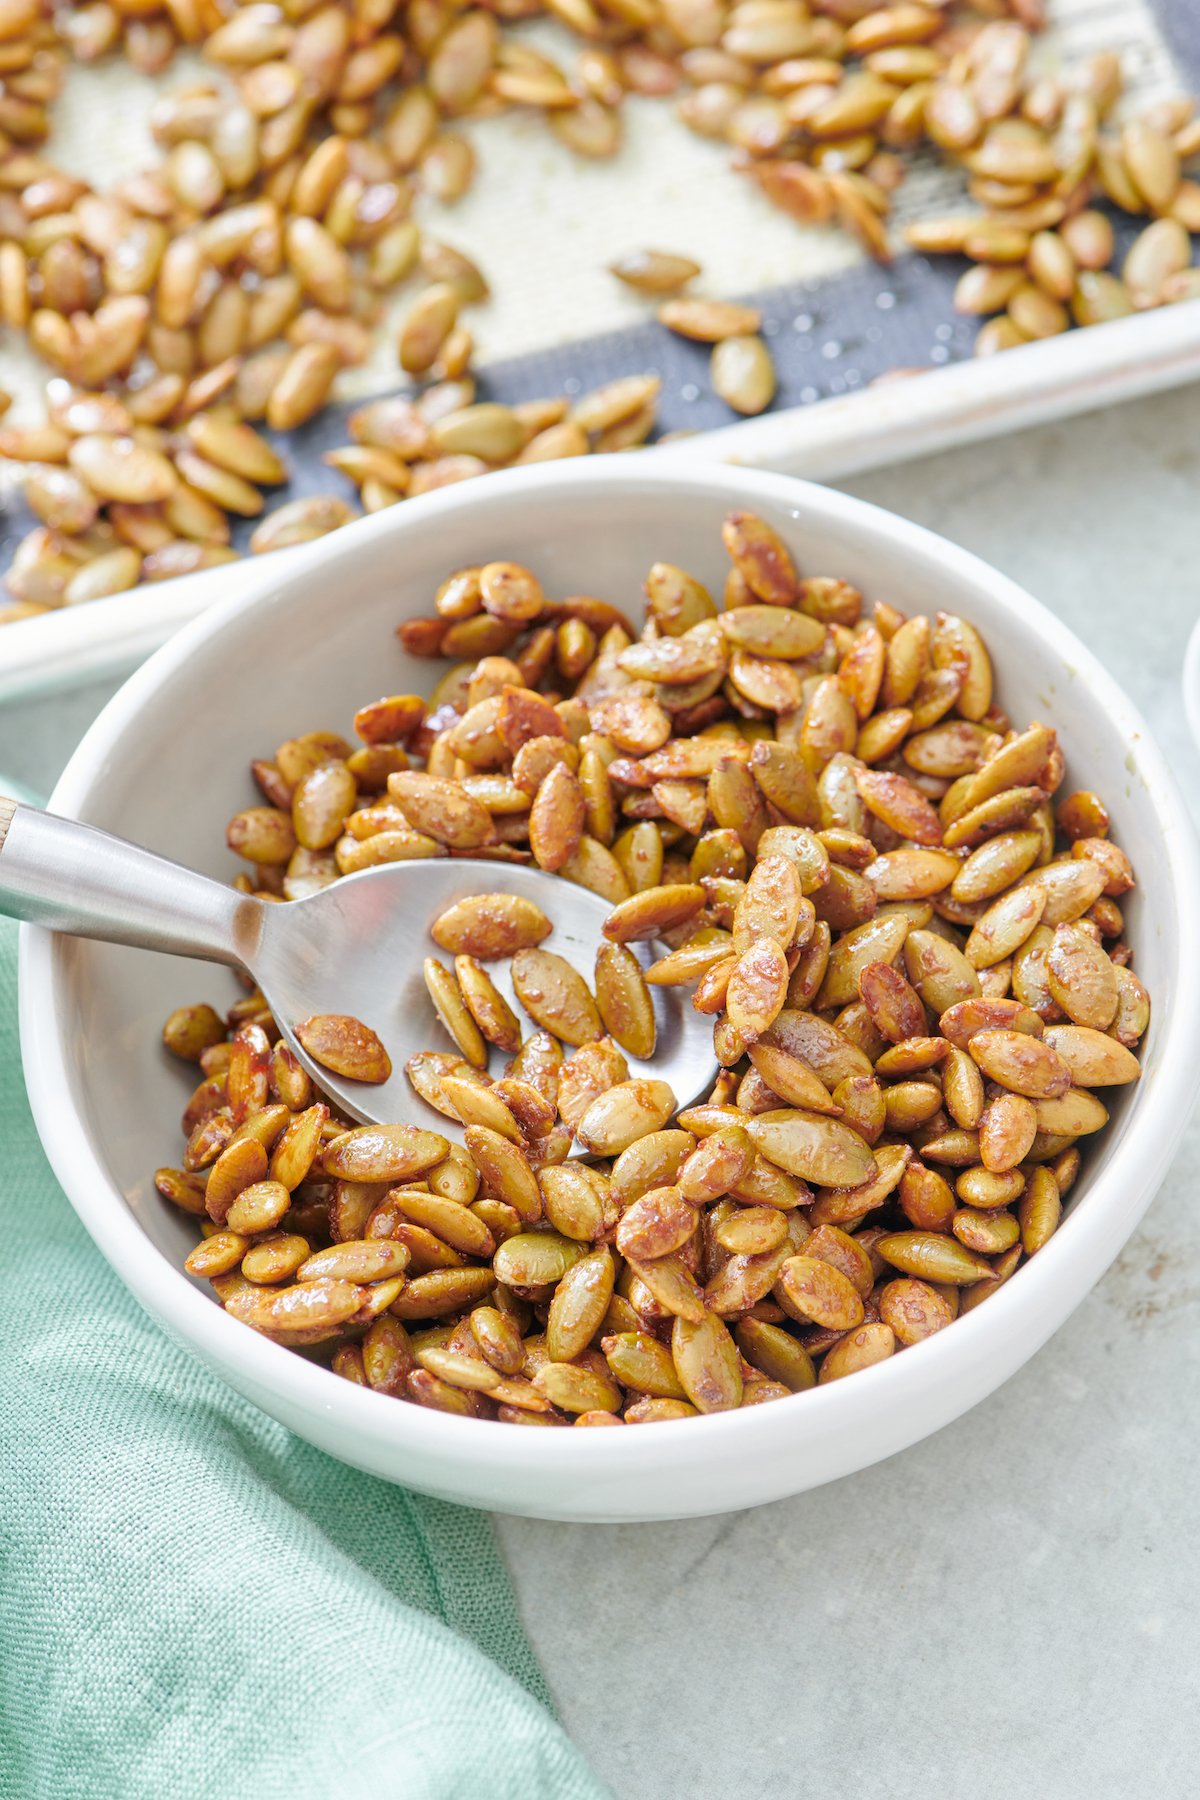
{"points": [[356, 947]]}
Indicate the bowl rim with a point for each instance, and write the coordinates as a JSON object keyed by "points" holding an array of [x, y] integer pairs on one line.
{"points": [[1025, 1312], [1191, 683]]}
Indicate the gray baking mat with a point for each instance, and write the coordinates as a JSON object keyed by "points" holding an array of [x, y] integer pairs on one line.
{"points": [[1179, 22], [828, 337]]}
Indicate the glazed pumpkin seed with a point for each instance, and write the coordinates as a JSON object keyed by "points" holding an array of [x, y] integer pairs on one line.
{"points": [[743, 374], [274, 1258], [1039, 1210], [190, 1030], [707, 1363], [821, 1293], [987, 1188], [441, 809], [791, 1079], [876, 941], [217, 1255], [995, 865], [1089, 237], [535, 1259], [1093, 1058], [655, 271], [486, 1005], [627, 1112], [914, 1310], [498, 1339], [1111, 860], [557, 818], [452, 1010], [1007, 1128], [814, 1148], [1151, 162], [709, 321], [574, 1201], [1005, 926], [345, 1045], [623, 1000], [506, 1170], [476, 1103], [364, 1261], [1021, 1062], [988, 1233], [1081, 978], [1133, 1009], [654, 1161], [654, 910], [442, 1291], [576, 1389], [753, 1231], [459, 1369], [938, 970], [384, 1153], [777, 1353], [654, 1411], [310, 1305], [911, 874], [591, 1070], [555, 996], [296, 1150], [871, 1343], [642, 1363], [672, 1285], [658, 1223], [447, 1219], [830, 1244], [489, 926], [722, 1160], [757, 988], [761, 558], [931, 1257], [1070, 888], [1071, 1114], [961, 1022], [579, 1306]]}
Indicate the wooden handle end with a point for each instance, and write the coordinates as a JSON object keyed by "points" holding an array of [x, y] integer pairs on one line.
{"points": [[7, 809]]}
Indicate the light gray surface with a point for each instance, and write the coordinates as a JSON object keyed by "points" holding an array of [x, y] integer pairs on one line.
{"points": [[1009, 1609]]}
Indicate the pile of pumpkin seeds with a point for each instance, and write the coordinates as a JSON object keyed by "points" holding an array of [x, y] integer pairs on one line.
{"points": [[230, 282], [909, 939]]}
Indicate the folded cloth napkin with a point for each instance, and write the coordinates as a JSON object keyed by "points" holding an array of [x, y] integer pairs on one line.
{"points": [[193, 1602]]}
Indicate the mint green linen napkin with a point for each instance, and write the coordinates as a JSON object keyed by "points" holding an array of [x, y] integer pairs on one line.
{"points": [[193, 1602]]}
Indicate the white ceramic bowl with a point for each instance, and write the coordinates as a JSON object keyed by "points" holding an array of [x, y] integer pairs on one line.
{"points": [[166, 764]]}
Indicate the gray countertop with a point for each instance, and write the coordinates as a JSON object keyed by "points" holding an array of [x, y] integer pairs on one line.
{"points": [[1009, 1609]]}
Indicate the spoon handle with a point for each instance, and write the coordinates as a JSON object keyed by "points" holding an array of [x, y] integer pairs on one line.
{"points": [[83, 881]]}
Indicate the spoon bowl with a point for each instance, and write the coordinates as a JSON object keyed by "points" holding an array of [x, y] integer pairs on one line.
{"points": [[356, 948]]}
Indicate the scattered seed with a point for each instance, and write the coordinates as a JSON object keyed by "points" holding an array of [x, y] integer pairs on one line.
{"points": [[743, 374], [709, 321], [655, 271]]}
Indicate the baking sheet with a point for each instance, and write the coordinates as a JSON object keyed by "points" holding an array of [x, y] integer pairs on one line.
{"points": [[544, 225]]}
